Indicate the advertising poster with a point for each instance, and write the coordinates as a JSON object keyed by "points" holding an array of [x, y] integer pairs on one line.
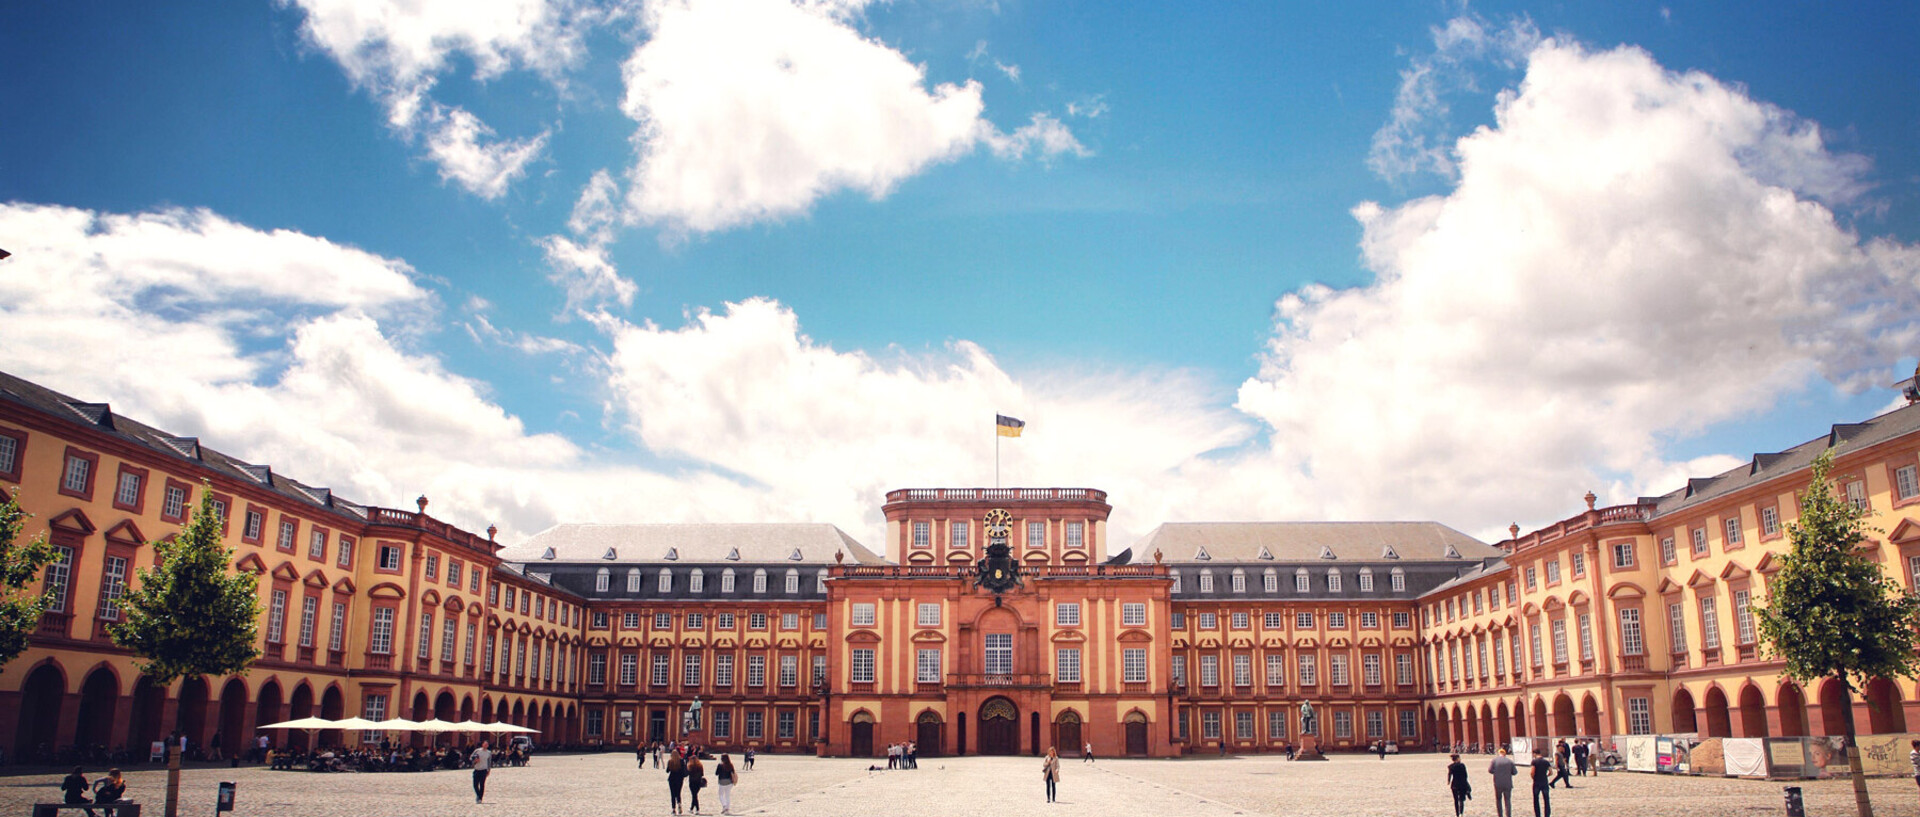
{"points": [[1641, 753], [1787, 758]]}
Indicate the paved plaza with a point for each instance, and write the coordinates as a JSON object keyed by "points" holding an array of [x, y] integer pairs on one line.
{"points": [[787, 786]]}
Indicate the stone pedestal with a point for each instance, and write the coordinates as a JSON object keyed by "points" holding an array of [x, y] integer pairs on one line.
{"points": [[1309, 749]]}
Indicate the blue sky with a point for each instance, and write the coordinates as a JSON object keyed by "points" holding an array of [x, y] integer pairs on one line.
{"points": [[813, 273]]}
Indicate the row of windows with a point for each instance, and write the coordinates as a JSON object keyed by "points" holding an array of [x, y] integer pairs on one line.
{"points": [[630, 620], [1302, 581], [998, 660], [1376, 723], [957, 532], [1307, 667], [697, 581], [693, 669], [1304, 620]]}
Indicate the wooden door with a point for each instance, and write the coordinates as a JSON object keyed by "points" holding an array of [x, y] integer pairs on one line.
{"points": [[927, 739], [862, 740], [999, 728], [1067, 736], [1136, 737]]}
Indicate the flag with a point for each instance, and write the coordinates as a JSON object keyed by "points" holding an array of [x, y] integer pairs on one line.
{"points": [[1007, 426]]}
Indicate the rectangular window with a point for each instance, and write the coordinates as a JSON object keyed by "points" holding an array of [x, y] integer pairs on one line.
{"points": [[999, 657], [288, 530], [1677, 626], [664, 621], [1036, 535], [863, 665], [1532, 578], [690, 670], [1559, 630], [597, 724], [1709, 623], [10, 457], [1639, 716], [277, 618], [789, 670], [922, 535], [1366, 582], [426, 636], [1133, 665], [789, 621], [1303, 621], [1237, 582], [1409, 724], [1243, 725], [1579, 565], [1376, 724], [1342, 724], [454, 574], [1209, 621], [1403, 669], [929, 614], [1276, 670], [255, 522], [1586, 636], [819, 671], [957, 536], [783, 723], [1337, 670], [820, 621], [1733, 530], [1309, 672], [1066, 614], [1534, 631], [695, 621], [1336, 621], [661, 671], [927, 666], [630, 669], [390, 560], [1066, 665], [630, 621], [1402, 619], [1369, 621], [374, 709], [1177, 620], [113, 583], [127, 494], [1770, 521], [78, 478], [756, 725], [1553, 571], [597, 669], [1906, 481], [1076, 534], [1370, 669], [1333, 582], [449, 633], [1857, 494], [1276, 724], [756, 670], [309, 611], [1210, 724], [381, 641], [1242, 670], [1133, 614], [723, 621], [317, 549], [1630, 640], [723, 669], [1240, 621], [1667, 555], [1622, 555], [1179, 669], [337, 631], [863, 614], [1743, 616], [1699, 541]]}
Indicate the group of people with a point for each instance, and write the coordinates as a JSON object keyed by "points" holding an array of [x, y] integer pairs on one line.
{"points": [[686, 769], [387, 757], [109, 789], [1544, 773], [903, 755]]}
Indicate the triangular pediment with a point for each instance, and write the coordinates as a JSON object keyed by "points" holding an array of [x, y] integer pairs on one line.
{"points": [[547, 554], [1734, 572], [1667, 585], [1452, 553], [733, 554], [344, 586], [1387, 552], [673, 554], [72, 520], [250, 563], [1768, 564], [1700, 579], [316, 578], [1200, 554], [1906, 531], [1326, 552], [125, 533], [1265, 553], [610, 555]]}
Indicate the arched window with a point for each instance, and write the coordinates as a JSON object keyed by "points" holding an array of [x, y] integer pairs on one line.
{"points": [[1301, 582], [666, 580], [820, 582], [602, 580], [697, 581], [726, 580], [1206, 581], [1237, 581], [633, 580], [793, 581], [1397, 581], [760, 580], [1270, 581], [1176, 580], [1333, 581], [1366, 580]]}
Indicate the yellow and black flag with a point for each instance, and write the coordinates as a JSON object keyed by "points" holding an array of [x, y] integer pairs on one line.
{"points": [[1007, 426]]}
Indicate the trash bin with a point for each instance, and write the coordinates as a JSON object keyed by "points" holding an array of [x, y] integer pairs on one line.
{"points": [[1795, 806], [225, 803]]}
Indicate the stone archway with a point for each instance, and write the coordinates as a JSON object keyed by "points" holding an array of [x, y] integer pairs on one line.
{"points": [[1885, 715], [929, 734], [1563, 721], [99, 694], [1793, 711], [1066, 733], [1136, 723], [232, 730], [1753, 713], [860, 734], [1682, 711], [1589, 717], [266, 710], [999, 727], [1719, 721], [40, 698]]}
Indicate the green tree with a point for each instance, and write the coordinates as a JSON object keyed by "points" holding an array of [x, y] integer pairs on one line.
{"points": [[20, 564], [191, 615], [1833, 613]]}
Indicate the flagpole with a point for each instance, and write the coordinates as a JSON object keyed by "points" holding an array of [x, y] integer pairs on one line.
{"points": [[996, 453]]}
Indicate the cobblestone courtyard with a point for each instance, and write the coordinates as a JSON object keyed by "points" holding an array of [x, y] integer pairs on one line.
{"points": [[608, 784]]}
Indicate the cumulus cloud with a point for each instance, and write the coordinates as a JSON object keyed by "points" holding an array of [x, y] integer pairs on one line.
{"points": [[397, 52], [752, 110], [1630, 254], [580, 266], [1044, 136], [1415, 137]]}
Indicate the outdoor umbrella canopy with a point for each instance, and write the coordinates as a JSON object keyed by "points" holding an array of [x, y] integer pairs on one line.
{"points": [[359, 723], [436, 725], [304, 723]]}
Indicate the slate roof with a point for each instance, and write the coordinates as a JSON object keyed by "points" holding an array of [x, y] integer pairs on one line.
{"points": [[763, 543], [1842, 438], [101, 418], [1311, 542]]}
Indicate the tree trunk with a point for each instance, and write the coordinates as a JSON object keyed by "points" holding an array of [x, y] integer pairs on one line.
{"points": [[173, 776], [1860, 800]]}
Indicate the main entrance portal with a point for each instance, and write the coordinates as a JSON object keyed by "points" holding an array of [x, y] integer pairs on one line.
{"points": [[999, 728]]}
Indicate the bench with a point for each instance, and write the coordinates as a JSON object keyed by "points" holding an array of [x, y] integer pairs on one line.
{"points": [[124, 808]]}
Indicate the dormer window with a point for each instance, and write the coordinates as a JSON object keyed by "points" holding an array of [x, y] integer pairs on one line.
{"points": [[1333, 581], [602, 580], [1176, 580], [820, 582], [733, 555], [1366, 580], [1387, 552], [759, 581], [1270, 581], [795, 556], [1302, 583], [633, 580], [547, 555], [697, 581], [673, 554], [793, 581], [1237, 581], [1398, 581], [666, 581], [1201, 555], [1265, 554], [609, 555], [1326, 552], [726, 580], [1451, 553], [1206, 581]]}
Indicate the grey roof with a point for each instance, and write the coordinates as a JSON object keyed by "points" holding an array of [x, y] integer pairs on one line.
{"points": [[1841, 438], [187, 450], [1478, 571], [812, 543], [1312, 542]]}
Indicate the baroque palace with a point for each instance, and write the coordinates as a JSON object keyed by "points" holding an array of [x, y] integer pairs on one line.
{"points": [[990, 621]]}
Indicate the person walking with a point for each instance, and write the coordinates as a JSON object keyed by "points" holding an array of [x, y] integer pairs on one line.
{"points": [[1542, 784], [1560, 756], [1580, 751], [750, 754], [1086, 752], [1502, 769], [696, 780], [723, 777], [1458, 784], [482, 759], [1050, 770], [676, 778]]}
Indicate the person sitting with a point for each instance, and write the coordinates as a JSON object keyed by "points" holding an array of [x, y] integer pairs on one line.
{"points": [[111, 788], [75, 787]]}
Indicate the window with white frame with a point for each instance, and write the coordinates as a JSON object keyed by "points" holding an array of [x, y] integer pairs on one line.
{"points": [[820, 582], [1336, 620], [1631, 642], [1709, 623], [1906, 481], [1302, 583], [793, 581], [126, 493], [1276, 669], [1402, 619], [1699, 541], [958, 536], [1369, 621], [449, 638], [696, 581], [1623, 555], [662, 669], [1036, 535], [1337, 670], [380, 640], [862, 666], [922, 535], [277, 618], [929, 614], [1553, 571], [756, 725], [317, 544], [863, 614], [1133, 665], [1076, 534], [1639, 716], [79, 472], [1066, 665], [597, 669], [1667, 554], [1276, 724], [630, 669], [1242, 670], [1770, 520], [1586, 636], [1743, 616], [665, 581], [757, 671], [1066, 614], [1270, 581], [1559, 630], [1272, 620], [1175, 576], [1376, 724], [255, 522], [113, 584], [1403, 669], [690, 670], [1342, 724], [1133, 614], [756, 621], [726, 580], [1366, 580], [1533, 578], [602, 581], [927, 666], [1209, 621], [760, 581], [1732, 526], [1333, 581], [1243, 725], [1210, 724], [1857, 494], [287, 530], [1309, 670], [696, 621], [1534, 631], [1206, 581], [9, 454], [663, 621], [1409, 724], [337, 630], [1177, 620], [999, 654], [1179, 669], [789, 621], [309, 612], [1240, 621], [1579, 564], [1303, 621]]}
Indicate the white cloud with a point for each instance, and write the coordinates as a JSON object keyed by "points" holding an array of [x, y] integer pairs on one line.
{"points": [[1012, 71], [1629, 255], [1415, 137], [397, 51], [584, 272], [1043, 136], [1092, 107], [752, 110]]}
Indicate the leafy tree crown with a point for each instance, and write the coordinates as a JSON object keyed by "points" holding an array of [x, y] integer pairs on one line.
{"points": [[192, 615], [21, 563]]}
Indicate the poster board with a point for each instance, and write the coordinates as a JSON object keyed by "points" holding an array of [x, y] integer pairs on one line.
{"points": [[1882, 755], [1640, 753], [1745, 757], [1790, 759]]}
